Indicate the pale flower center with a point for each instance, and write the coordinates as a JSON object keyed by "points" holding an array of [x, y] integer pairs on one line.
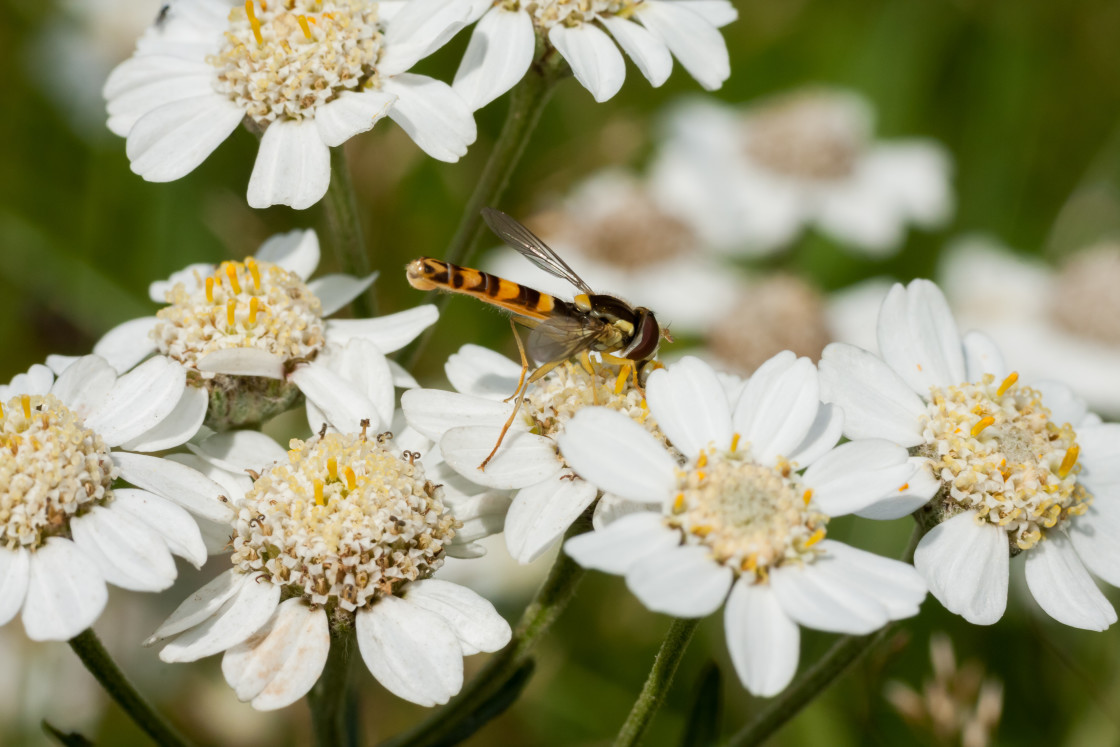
{"points": [[808, 135], [283, 59], [344, 522], [52, 468], [246, 304], [548, 13], [752, 517], [996, 450], [1085, 299]]}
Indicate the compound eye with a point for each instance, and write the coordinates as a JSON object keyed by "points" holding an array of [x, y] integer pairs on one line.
{"points": [[646, 340]]}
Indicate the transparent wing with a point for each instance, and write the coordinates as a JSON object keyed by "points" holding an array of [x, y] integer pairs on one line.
{"points": [[531, 247], [561, 337]]}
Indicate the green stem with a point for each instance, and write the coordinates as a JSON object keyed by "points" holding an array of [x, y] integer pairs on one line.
{"points": [[844, 653], [527, 101], [329, 697], [349, 245], [657, 683], [97, 660], [554, 595]]}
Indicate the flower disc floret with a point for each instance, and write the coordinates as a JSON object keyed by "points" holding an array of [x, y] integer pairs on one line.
{"points": [[52, 469], [810, 135], [551, 402], [548, 13], [752, 517], [285, 59], [250, 304], [997, 451], [344, 522]]}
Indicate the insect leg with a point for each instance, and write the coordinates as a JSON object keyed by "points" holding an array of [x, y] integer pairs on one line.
{"points": [[520, 398], [524, 361]]}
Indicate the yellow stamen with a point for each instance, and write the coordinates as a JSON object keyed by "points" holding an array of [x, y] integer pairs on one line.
{"points": [[1069, 460], [25, 400], [817, 537], [231, 273], [255, 271], [319, 499], [351, 478], [905, 486], [620, 380], [249, 11], [254, 308], [750, 562], [734, 442], [231, 308], [701, 475], [332, 469], [703, 460], [1007, 383], [1, 410], [210, 290], [303, 26], [982, 424], [678, 503], [702, 531], [808, 496]]}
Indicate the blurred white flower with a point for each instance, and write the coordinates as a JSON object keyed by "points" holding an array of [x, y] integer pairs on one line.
{"points": [[1018, 468], [65, 531], [621, 242], [652, 32], [743, 520], [348, 530], [309, 75], [466, 424], [750, 180]]}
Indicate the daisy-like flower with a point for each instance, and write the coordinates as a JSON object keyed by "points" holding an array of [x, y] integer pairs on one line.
{"points": [[1019, 469], [743, 518], [66, 529], [253, 333], [466, 424], [346, 530], [750, 180], [307, 74], [620, 241], [651, 32]]}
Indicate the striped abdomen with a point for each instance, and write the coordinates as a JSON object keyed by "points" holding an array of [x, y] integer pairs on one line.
{"points": [[427, 273]]}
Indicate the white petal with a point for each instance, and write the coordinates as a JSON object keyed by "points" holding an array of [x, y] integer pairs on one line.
{"points": [[389, 333], [402, 378], [524, 458], [188, 276], [243, 362], [177, 483], [433, 412], [892, 583], [610, 508], [908, 498], [127, 344], [293, 166], [339, 401], [240, 451], [335, 291], [982, 356], [856, 474], [966, 567], [482, 372], [201, 605], [482, 515], [541, 513], [647, 51], [476, 623], [822, 436], [139, 401], [170, 142], [682, 582], [58, 363], [65, 593], [178, 427], [498, 55], [350, 114], [296, 251], [366, 371], [595, 60], [237, 619], [144, 83], [778, 407], [412, 652], [174, 525], [691, 38], [719, 13], [1063, 588], [763, 641], [918, 337], [418, 29], [14, 575], [85, 384], [281, 662], [875, 401], [1064, 405], [126, 552], [37, 380], [815, 600], [690, 407], [617, 455], [1100, 455], [433, 115], [618, 546]]}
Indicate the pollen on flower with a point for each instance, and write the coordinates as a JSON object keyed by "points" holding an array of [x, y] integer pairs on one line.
{"points": [[813, 135], [242, 305], [752, 517], [343, 523], [997, 451], [283, 60], [52, 469], [548, 13]]}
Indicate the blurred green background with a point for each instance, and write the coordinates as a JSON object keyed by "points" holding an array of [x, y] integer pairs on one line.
{"points": [[1024, 95]]}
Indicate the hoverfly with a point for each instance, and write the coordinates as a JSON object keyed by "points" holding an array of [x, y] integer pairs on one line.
{"points": [[621, 334]]}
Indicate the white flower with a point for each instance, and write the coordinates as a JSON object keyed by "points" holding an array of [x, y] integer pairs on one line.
{"points": [[466, 425], [343, 529], [65, 531], [750, 180], [503, 44], [309, 75], [619, 241], [259, 325], [1021, 469], [743, 520]]}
